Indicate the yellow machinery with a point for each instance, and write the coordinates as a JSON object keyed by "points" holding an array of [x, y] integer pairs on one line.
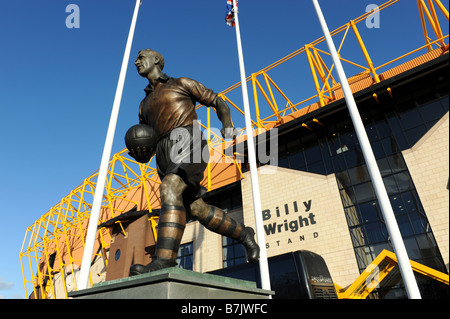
{"points": [[377, 271], [53, 243]]}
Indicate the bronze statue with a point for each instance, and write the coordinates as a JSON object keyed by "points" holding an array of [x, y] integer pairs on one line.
{"points": [[169, 105]]}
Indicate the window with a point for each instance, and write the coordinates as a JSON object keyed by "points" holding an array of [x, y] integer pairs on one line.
{"points": [[185, 257], [389, 134], [233, 252], [420, 117], [227, 199], [311, 154]]}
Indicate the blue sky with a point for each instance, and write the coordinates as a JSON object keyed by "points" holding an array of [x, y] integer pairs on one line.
{"points": [[57, 84]]}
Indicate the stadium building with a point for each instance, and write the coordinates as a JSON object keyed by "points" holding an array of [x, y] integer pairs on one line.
{"points": [[316, 192]]}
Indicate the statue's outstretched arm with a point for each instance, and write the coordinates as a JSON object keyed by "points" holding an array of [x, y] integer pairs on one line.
{"points": [[224, 115]]}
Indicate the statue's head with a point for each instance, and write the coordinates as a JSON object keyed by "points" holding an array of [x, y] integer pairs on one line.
{"points": [[147, 60]]}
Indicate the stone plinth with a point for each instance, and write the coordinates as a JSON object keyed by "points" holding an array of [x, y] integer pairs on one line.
{"points": [[174, 283]]}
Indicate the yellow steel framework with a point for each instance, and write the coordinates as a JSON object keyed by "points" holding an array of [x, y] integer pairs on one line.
{"points": [[377, 271], [53, 243]]}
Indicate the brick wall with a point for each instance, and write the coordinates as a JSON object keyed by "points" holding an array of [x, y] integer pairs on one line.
{"points": [[428, 164], [315, 219]]}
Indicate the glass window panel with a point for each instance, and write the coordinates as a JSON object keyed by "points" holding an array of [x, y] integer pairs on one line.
{"points": [[424, 94], [377, 149], [403, 181], [418, 222], [225, 254], [445, 103], [348, 141], [239, 250], [390, 184], [398, 133], [412, 248], [436, 263], [185, 258], [357, 235], [364, 192], [190, 261], [348, 197], [229, 241], [186, 263], [396, 162], [316, 168], [283, 162], [352, 216], [372, 133], [404, 225], [378, 248], [233, 254], [383, 129], [345, 126], [432, 111], [410, 119], [427, 245], [312, 154], [397, 204], [369, 212], [293, 145], [384, 167], [334, 145], [281, 148], [430, 124], [363, 257], [389, 146], [353, 158], [358, 174], [366, 118], [297, 160], [376, 232], [410, 205], [415, 134], [339, 162], [327, 161], [343, 179], [410, 201]]}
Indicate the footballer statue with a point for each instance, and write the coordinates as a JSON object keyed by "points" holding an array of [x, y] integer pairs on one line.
{"points": [[166, 128]]}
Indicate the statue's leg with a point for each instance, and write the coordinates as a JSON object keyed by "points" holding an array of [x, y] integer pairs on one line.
{"points": [[216, 220], [171, 224]]}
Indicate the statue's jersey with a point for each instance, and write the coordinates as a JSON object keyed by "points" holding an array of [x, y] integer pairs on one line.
{"points": [[171, 103]]}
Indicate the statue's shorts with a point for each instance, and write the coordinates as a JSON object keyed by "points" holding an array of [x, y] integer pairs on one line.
{"points": [[184, 152]]}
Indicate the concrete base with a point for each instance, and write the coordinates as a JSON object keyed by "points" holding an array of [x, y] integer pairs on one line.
{"points": [[174, 283]]}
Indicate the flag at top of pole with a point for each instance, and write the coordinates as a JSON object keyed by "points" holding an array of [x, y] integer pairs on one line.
{"points": [[229, 18]]}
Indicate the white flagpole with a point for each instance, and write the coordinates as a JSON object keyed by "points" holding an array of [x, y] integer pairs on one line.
{"points": [[101, 179], [374, 172], [263, 264]]}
